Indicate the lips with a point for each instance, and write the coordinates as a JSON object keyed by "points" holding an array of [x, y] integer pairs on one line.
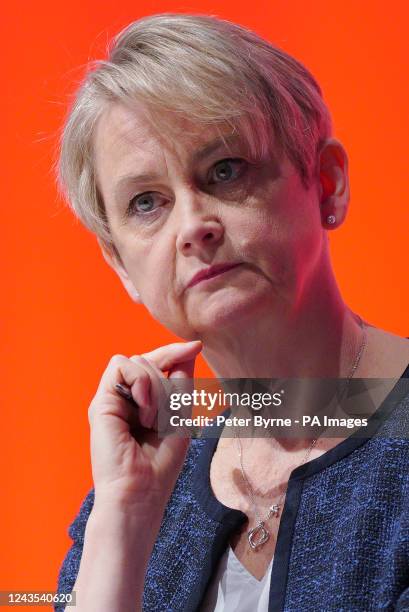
{"points": [[210, 272]]}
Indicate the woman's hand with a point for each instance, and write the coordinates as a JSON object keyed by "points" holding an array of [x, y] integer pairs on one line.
{"points": [[131, 466]]}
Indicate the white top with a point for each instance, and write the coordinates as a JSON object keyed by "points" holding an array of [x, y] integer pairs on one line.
{"points": [[234, 589]]}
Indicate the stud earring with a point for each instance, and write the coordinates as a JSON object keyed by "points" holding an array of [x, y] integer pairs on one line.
{"points": [[331, 219]]}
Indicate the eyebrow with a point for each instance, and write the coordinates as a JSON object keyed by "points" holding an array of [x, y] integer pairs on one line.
{"points": [[197, 156], [214, 145]]}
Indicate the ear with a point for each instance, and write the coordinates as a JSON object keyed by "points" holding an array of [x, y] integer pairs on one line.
{"points": [[116, 264], [333, 183]]}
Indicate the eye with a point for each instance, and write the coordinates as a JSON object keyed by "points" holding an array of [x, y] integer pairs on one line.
{"points": [[145, 203], [227, 170]]}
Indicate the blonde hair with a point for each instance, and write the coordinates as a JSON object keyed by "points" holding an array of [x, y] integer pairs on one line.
{"points": [[205, 69]]}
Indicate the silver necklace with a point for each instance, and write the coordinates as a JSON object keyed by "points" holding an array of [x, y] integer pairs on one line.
{"points": [[258, 535]]}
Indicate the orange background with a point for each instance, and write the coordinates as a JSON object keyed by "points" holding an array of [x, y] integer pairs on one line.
{"points": [[64, 313]]}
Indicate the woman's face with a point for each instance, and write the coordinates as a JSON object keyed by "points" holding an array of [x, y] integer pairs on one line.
{"points": [[178, 208]]}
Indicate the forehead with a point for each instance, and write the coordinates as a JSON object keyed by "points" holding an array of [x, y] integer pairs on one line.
{"points": [[124, 136]]}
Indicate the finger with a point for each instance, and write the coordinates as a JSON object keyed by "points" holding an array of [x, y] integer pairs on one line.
{"points": [[137, 377], [164, 357], [161, 389], [185, 369], [179, 360], [157, 391], [184, 372]]}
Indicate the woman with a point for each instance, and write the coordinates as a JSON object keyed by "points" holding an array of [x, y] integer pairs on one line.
{"points": [[202, 158]]}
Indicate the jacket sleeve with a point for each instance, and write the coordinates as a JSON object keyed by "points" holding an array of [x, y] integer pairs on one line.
{"points": [[69, 568]]}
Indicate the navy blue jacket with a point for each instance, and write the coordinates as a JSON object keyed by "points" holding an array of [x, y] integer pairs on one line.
{"points": [[343, 540]]}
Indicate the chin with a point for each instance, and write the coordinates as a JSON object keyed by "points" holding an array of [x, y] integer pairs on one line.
{"points": [[229, 308]]}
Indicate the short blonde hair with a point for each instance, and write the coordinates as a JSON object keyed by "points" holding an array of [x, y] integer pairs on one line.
{"points": [[205, 69]]}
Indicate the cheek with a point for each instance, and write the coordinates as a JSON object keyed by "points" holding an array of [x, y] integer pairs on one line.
{"points": [[284, 241], [154, 277]]}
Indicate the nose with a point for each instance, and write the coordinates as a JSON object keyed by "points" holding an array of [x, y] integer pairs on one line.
{"points": [[199, 229]]}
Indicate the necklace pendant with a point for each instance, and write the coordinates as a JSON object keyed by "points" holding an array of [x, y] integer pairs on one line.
{"points": [[258, 535], [274, 510]]}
